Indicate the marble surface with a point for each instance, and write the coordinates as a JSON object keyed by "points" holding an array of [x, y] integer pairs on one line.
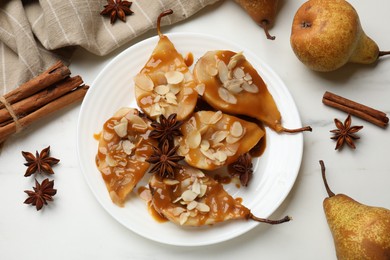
{"points": [[75, 226]]}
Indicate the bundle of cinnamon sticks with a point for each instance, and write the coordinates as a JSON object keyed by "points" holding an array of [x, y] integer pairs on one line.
{"points": [[48, 92]]}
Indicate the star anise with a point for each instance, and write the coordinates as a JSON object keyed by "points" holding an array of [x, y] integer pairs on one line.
{"points": [[166, 128], [42, 193], [42, 162], [165, 160], [117, 9], [345, 133], [243, 167]]}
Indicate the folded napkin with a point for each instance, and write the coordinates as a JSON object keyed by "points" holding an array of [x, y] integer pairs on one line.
{"points": [[34, 34]]}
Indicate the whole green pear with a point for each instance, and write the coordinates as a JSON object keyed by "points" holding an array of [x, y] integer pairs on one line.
{"points": [[327, 34], [359, 231]]}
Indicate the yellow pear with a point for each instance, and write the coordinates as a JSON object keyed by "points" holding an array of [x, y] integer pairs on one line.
{"points": [[327, 34], [359, 231]]}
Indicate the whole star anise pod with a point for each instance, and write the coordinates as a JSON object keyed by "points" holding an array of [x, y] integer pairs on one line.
{"points": [[166, 129], [41, 162], [117, 9], [41, 194], [345, 133], [243, 167], [165, 160]]}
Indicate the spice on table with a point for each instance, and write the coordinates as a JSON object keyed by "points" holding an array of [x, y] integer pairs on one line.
{"points": [[40, 163], [369, 114], [42, 193], [166, 128], [117, 9], [165, 160], [345, 133], [50, 91], [243, 167]]}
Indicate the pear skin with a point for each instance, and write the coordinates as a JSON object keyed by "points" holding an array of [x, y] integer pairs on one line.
{"points": [[359, 231], [263, 12], [327, 34]]}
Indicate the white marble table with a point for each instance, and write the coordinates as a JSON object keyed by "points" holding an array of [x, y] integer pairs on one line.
{"points": [[77, 227]]}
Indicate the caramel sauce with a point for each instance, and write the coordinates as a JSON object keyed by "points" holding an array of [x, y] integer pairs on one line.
{"points": [[97, 136], [189, 59], [156, 216]]}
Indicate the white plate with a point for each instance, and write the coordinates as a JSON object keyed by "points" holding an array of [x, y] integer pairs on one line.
{"points": [[274, 173]]}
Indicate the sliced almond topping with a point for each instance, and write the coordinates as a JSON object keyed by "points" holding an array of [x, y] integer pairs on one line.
{"points": [[102, 150], [171, 98], [174, 77], [177, 211], [232, 140], [183, 150], [248, 77], [203, 189], [232, 148], [223, 71], [137, 121], [204, 145], [128, 147], [146, 195], [200, 88], [110, 161], [188, 196], [107, 136], [187, 91], [192, 205], [225, 95], [121, 128], [238, 73], [219, 136], [220, 156], [183, 217], [161, 89], [174, 88], [202, 207], [252, 88], [235, 59], [194, 139], [208, 154], [234, 85], [170, 182], [196, 187], [215, 118], [144, 82], [122, 112], [236, 129]]}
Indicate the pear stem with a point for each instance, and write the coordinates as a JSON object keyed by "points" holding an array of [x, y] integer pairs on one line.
{"points": [[269, 221], [383, 53], [165, 13], [265, 25], [297, 130], [328, 190]]}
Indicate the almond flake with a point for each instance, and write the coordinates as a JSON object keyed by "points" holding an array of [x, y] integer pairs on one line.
{"points": [[238, 73], [219, 136], [187, 91], [220, 156], [174, 88], [203, 189], [161, 89], [204, 145], [188, 196], [250, 88], [144, 82], [202, 207], [235, 59], [194, 139], [174, 77], [232, 140], [122, 112], [200, 88], [248, 77], [212, 70], [234, 85], [128, 147], [223, 71], [170, 182], [215, 118], [192, 205], [183, 218], [177, 211], [110, 161], [107, 136], [146, 195], [121, 128], [226, 96], [196, 187], [236, 129]]}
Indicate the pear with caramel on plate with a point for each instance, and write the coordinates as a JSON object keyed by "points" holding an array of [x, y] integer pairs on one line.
{"points": [[165, 85], [195, 199], [233, 86], [212, 139], [123, 148]]}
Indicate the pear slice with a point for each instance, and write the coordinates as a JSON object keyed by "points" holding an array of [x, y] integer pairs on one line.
{"points": [[212, 139], [233, 86], [165, 85], [122, 150], [194, 199]]}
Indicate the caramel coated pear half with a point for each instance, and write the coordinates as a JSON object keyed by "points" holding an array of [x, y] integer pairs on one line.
{"points": [[233, 86], [123, 148], [194, 199], [165, 85], [212, 139]]}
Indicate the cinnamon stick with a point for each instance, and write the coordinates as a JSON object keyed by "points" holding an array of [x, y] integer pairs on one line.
{"points": [[367, 113], [47, 109], [52, 75], [29, 104]]}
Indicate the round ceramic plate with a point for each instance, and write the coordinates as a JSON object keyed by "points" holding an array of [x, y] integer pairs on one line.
{"points": [[274, 172]]}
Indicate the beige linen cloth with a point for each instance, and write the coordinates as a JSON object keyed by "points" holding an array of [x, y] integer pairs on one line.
{"points": [[34, 34]]}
